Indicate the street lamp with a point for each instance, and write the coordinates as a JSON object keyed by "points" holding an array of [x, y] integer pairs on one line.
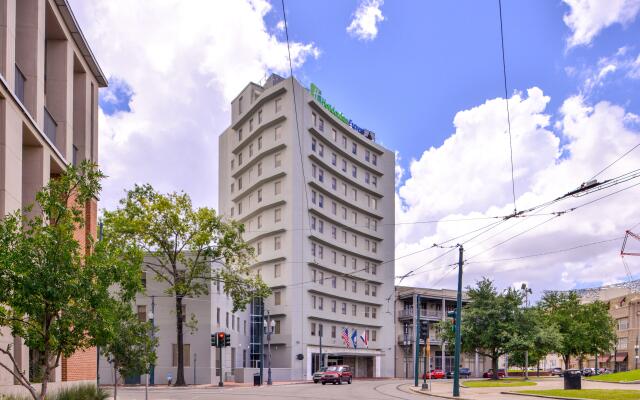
{"points": [[637, 356], [269, 327]]}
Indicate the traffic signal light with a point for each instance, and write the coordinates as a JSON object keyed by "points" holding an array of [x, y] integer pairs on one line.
{"points": [[214, 339], [452, 315], [424, 330], [227, 339], [220, 341]]}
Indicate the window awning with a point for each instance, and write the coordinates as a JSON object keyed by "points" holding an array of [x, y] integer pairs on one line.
{"points": [[621, 357]]}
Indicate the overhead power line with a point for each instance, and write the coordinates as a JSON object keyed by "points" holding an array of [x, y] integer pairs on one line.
{"points": [[615, 161]]}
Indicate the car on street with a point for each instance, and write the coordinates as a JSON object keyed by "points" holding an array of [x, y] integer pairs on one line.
{"points": [[588, 371], [318, 374], [489, 373], [464, 373], [434, 374], [556, 371], [337, 374]]}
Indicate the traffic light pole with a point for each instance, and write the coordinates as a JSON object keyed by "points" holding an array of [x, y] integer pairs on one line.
{"points": [[221, 383], [416, 342], [456, 359]]}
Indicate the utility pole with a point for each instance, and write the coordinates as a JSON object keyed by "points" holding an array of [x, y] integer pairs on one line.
{"points": [[416, 342], [195, 361], [98, 346], [152, 370], [456, 359]]}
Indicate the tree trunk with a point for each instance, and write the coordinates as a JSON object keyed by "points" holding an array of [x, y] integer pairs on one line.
{"points": [[494, 366], [180, 375], [567, 360]]}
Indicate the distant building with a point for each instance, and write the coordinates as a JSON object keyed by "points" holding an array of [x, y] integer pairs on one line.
{"points": [[433, 307], [48, 121], [316, 194]]}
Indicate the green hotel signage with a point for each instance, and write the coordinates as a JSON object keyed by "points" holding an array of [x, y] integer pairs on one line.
{"points": [[316, 93]]}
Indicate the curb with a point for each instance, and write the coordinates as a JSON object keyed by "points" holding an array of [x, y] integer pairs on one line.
{"points": [[419, 391], [619, 382], [542, 396]]}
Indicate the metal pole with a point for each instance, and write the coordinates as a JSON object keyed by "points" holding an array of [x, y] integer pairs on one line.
{"points": [[424, 378], [152, 370], [146, 387], [596, 363], [416, 342], [195, 361], [456, 367], [269, 382], [321, 359], [261, 343], [98, 346], [220, 383]]}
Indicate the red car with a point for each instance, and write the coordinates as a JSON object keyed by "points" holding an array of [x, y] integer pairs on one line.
{"points": [[489, 373], [337, 374], [434, 374]]}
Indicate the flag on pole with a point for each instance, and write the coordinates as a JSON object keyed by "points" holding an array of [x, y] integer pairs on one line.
{"points": [[345, 337], [354, 338], [365, 339]]}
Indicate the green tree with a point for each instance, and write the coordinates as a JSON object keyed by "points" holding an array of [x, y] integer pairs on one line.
{"points": [[130, 348], [53, 290], [583, 328], [536, 336], [182, 243], [490, 322]]}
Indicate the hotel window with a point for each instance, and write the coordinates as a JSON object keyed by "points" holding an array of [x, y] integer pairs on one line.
{"points": [[260, 169], [321, 125], [366, 289], [313, 145], [232, 209], [344, 261], [260, 143], [344, 213], [277, 133], [355, 194], [313, 275], [344, 142], [321, 150], [367, 244], [344, 308], [277, 243], [277, 158], [344, 236], [344, 165], [259, 195], [277, 298], [354, 148], [354, 263], [313, 302], [313, 196], [321, 226], [321, 201], [143, 278], [321, 303], [354, 310], [259, 248], [232, 186], [334, 208], [186, 350], [227, 320], [374, 247], [259, 220], [334, 183], [218, 315], [276, 329], [334, 231], [334, 159], [373, 291], [334, 257], [240, 105], [320, 174], [240, 159], [375, 225], [321, 252], [240, 135], [374, 333], [277, 215], [333, 331], [374, 203], [313, 249], [333, 283], [367, 177], [233, 161], [354, 286], [374, 269], [623, 324], [321, 280], [250, 149], [244, 326], [366, 311], [313, 329], [355, 217], [259, 116], [313, 223], [239, 207], [333, 305], [622, 343], [344, 188], [276, 271], [374, 181], [374, 159], [354, 171], [277, 187], [251, 125], [142, 313], [344, 281], [366, 267], [233, 323], [314, 171], [278, 104], [314, 118], [367, 155]]}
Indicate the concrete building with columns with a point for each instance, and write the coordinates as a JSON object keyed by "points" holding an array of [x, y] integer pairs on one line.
{"points": [[413, 305], [316, 194], [49, 82]]}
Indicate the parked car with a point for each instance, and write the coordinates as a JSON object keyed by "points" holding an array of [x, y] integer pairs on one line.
{"points": [[318, 374], [556, 371], [337, 374], [464, 373], [434, 374], [588, 371], [489, 373]]}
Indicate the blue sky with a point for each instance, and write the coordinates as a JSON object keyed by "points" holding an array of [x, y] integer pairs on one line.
{"points": [[426, 76]]}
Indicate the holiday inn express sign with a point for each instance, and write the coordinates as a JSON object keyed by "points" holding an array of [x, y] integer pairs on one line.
{"points": [[316, 93]]}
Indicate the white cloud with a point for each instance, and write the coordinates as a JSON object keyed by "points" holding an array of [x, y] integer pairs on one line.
{"points": [[184, 63], [588, 17], [364, 25], [468, 176], [618, 65]]}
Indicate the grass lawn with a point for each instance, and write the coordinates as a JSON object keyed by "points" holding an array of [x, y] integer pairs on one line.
{"points": [[594, 394], [504, 382], [627, 376]]}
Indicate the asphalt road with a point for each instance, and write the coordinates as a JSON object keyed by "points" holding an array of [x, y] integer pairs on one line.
{"points": [[360, 389]]}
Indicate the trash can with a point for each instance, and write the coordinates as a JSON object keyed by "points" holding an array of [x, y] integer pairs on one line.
{"points": [[572, 379], [256, 379]]}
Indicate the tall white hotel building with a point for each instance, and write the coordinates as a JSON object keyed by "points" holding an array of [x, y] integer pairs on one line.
{"points": [[316, 196]]}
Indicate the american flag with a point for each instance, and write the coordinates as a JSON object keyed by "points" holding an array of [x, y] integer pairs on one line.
{"points": [[345, 337]]}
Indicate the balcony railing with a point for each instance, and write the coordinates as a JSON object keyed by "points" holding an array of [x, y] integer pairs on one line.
{"points": [[432, 314], [433, 339], [50, 126], [19, 84]]}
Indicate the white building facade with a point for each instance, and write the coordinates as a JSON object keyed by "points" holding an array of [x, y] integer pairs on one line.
{"points": [[316, 194]]}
